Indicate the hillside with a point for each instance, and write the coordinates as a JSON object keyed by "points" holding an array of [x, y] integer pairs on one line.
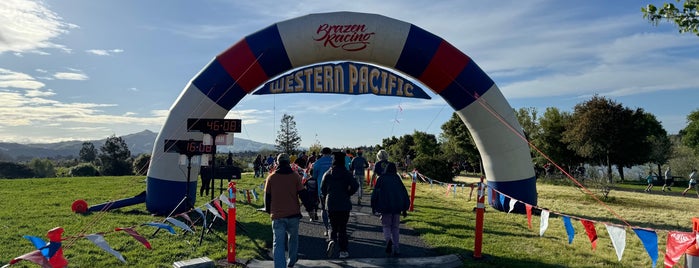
{"points": [[141, 142]]}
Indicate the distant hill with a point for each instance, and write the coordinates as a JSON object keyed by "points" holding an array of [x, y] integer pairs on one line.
{"points": [[141, 142]]}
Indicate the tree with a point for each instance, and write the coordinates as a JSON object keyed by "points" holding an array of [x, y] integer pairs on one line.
{"points": [[114, 157], [43, 168], [550, 141], [690, 134], [288, 139], [141, 164], [88, 153], [687, 19], [11, 170], [457, 144], [599, 130]]}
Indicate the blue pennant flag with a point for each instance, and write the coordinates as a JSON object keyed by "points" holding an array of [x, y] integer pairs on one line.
{"points": [[569, 229], [162, 225], [650, 242]]}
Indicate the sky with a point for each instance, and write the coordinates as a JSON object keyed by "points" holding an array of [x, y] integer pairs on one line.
{"points": [[87, 70]]}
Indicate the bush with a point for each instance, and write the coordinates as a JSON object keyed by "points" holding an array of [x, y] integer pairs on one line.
{"points": [[84, 170], [11, 170], [436, 168], [141, 164], [62, 172]]}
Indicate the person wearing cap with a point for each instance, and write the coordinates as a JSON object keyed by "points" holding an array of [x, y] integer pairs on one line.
{"points": [[283, 189], [337, 186], [320, 166]]}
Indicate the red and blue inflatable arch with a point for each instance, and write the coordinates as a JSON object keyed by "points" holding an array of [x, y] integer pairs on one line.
{"points": [[348, 36]]}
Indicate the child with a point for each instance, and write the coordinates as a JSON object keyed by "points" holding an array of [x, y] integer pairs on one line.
{"points": [[311, 202], [649, 179], [692, 182]]}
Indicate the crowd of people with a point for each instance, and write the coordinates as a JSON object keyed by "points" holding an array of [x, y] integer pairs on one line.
{"points": [[326, 183]]}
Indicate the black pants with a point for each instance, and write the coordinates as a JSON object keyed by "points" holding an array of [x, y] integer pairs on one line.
{"points": [[338, 232]]}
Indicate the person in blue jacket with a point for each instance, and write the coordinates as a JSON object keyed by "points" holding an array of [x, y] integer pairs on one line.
{"points": [[390, 198], [319, 168]]}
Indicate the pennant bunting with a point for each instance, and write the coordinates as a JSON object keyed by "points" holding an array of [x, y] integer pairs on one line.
{"points": [[225, 200], [544, 222], [677, 244], [512, 204], [198, 210], [186, 217], [255, 195], [161, 226], [454, 188], [213, 210], [40, 245], [591, 232], [448, 189], [220, 209], [650, 242], [99, 241], [528, 207], [618, 236], [569, 229], [135, 235], [35, 257], [180, 224], [502, 201]]}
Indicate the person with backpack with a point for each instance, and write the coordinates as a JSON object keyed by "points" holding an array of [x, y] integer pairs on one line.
{"points": [[357, 166], [336, 187], [380, 166], [390, 199]]}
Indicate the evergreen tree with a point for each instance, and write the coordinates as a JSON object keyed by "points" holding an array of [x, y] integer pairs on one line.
{"points": [[115, 157], [288, 139], [88, 153]]}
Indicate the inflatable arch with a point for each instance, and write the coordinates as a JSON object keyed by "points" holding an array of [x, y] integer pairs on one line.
{"points": [[343, 36]]}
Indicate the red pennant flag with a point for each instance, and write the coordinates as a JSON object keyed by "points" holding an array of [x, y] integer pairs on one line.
{"points": [[219, 208], [135, 235], [591, 232], [35, 257], [529, 214], [677, 244]]}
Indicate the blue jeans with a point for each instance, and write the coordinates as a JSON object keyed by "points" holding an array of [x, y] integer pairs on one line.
{"points": [[281, 228]]}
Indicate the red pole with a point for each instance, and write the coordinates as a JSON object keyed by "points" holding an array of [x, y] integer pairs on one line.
{"points": [[480, 208], [231, 223], [368, 177], [412, 191]]}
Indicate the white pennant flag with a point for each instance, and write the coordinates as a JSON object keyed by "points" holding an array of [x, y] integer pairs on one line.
{"points": [[179, 223], [544, 222], [618, 236], [213, 210], [100, 242], [512, 204], [225, 200]]}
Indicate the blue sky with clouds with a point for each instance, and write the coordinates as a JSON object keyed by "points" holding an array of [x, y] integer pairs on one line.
{"points": [[80, 69]]}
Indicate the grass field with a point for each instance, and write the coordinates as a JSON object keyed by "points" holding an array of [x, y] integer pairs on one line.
{"points": [[33, 206]]}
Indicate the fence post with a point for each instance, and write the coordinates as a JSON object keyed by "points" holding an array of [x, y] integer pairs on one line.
{"points": [[480, 209], [412, 191], [231, 222]]}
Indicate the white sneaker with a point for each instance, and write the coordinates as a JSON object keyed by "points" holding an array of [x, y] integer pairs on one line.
{"points": [[344, 254]]}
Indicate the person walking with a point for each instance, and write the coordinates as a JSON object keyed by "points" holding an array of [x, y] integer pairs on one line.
{"points": [[257, 166], [390, 199], [282, 192], [380, 166], [337, 186], [357, 166], [320, 166], [692, 182], [669, 180]]}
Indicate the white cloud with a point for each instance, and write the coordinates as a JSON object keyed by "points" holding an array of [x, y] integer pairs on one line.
{"points": [[104, 52], [28, 27], [70, 76], [12, 79], [39, 93]]}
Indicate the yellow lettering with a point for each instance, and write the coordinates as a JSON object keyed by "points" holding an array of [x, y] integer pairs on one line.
{"points": [[383, 83], [318, 79], [275, 87], [299, 81], [327, 78], [364, 80], [391, 84], [308, 73], [339, 78], [408, 89], [288, 83], [399, 88], [353, 78], [373, 75]]}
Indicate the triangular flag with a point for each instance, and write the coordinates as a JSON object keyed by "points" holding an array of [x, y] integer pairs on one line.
{"points": [[254, 194], [220, 209], [650, 242], [512, 204], [569, 229], [591, 232], [39, 244], [186, 217], [677, 244], [225, 200], [213, 210], [101, 243], [544, 222], [135, 235], [528, 207], [35, 257], [502, 201], [161, 226], [448, 189], [198, 210], [618, 236], [180, 224]]}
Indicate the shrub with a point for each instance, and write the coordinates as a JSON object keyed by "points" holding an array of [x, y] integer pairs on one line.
{"points": [[84, 170], [436, 168]]}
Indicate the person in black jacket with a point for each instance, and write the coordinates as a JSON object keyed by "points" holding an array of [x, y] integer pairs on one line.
{"points": [[390, 198], [336, 187]]}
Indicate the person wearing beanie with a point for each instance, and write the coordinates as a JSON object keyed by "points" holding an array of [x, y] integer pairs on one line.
{"points": [[380, 166], [320, 166], [357, 166], [337, 186], [283, 189]]}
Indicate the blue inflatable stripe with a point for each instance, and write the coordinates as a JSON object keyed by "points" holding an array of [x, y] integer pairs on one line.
{"points": [[215, 83], [268, 47], [471, 82], [522, 190], [418, 51], [164, 195]]}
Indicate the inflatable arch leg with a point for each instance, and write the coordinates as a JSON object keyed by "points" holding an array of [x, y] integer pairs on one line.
{"points": [[361, 37]]}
